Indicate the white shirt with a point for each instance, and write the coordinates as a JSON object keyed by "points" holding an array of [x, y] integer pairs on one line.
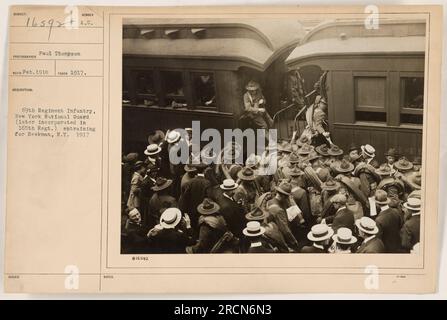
{"points": [[318, 246], [383, 208]]}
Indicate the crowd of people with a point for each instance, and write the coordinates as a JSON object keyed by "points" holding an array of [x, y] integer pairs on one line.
{"points": [[320, 199]]}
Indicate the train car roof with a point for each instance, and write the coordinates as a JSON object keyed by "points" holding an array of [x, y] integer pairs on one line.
{"points": [[350, 37], [358, 46], [256, 41]]}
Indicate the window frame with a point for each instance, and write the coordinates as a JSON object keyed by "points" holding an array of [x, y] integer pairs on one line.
{"points": [[376, 109], [193, 90], [403, 75]]}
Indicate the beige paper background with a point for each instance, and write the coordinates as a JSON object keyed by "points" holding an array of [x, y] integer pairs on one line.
{"points": [[63, 202]]}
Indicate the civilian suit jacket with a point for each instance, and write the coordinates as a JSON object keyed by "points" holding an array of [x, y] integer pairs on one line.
{"points": [[170, 241], [159, 202], [410, 232], [233, 213], [389, 223], [375, 245], [344, 218], [194, 193]]}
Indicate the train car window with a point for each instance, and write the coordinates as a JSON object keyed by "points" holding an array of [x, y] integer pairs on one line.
{"points": [[412, 92], [145, 88], [412, 100], [370, 98], [204, 91], [174, 89]]}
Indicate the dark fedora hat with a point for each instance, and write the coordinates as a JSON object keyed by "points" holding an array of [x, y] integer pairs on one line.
{"points": [[161, 184], [305, 149], [323, 150], [131, 157], [403, 164], [208, 207], [330, 185], [284, 188], [246, 174], [293, 158], [335, 151], [257, 214], [392, 152], [156, 137], [344, 166]]}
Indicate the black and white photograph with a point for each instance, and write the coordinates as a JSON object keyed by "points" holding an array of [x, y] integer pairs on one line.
{"points": [[284, 136]]}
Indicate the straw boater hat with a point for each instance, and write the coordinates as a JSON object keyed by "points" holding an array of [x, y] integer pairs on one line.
{"points": [[413, 204], [284, 188], [170, 218], [156, 137], [305, 149], [252, 85], [330, 185], [385, 170], [161, 184], [152, 150], [367, 225], [173, 137], [335, 151], [344, 236], [208, 207], [253, 229], [257, 214], [368, 150], [320, 232], [381, 197], [246, 174], [228, 184], [403, 164], [391, 153], [344, 166], [131, 157], [302, 141], [323, 150]]}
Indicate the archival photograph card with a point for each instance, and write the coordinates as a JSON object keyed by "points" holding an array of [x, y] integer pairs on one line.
{"points": [[223, 149]]}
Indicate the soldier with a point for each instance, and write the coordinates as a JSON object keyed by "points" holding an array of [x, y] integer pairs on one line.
{"points": [[254, 103], [212, 227]]}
